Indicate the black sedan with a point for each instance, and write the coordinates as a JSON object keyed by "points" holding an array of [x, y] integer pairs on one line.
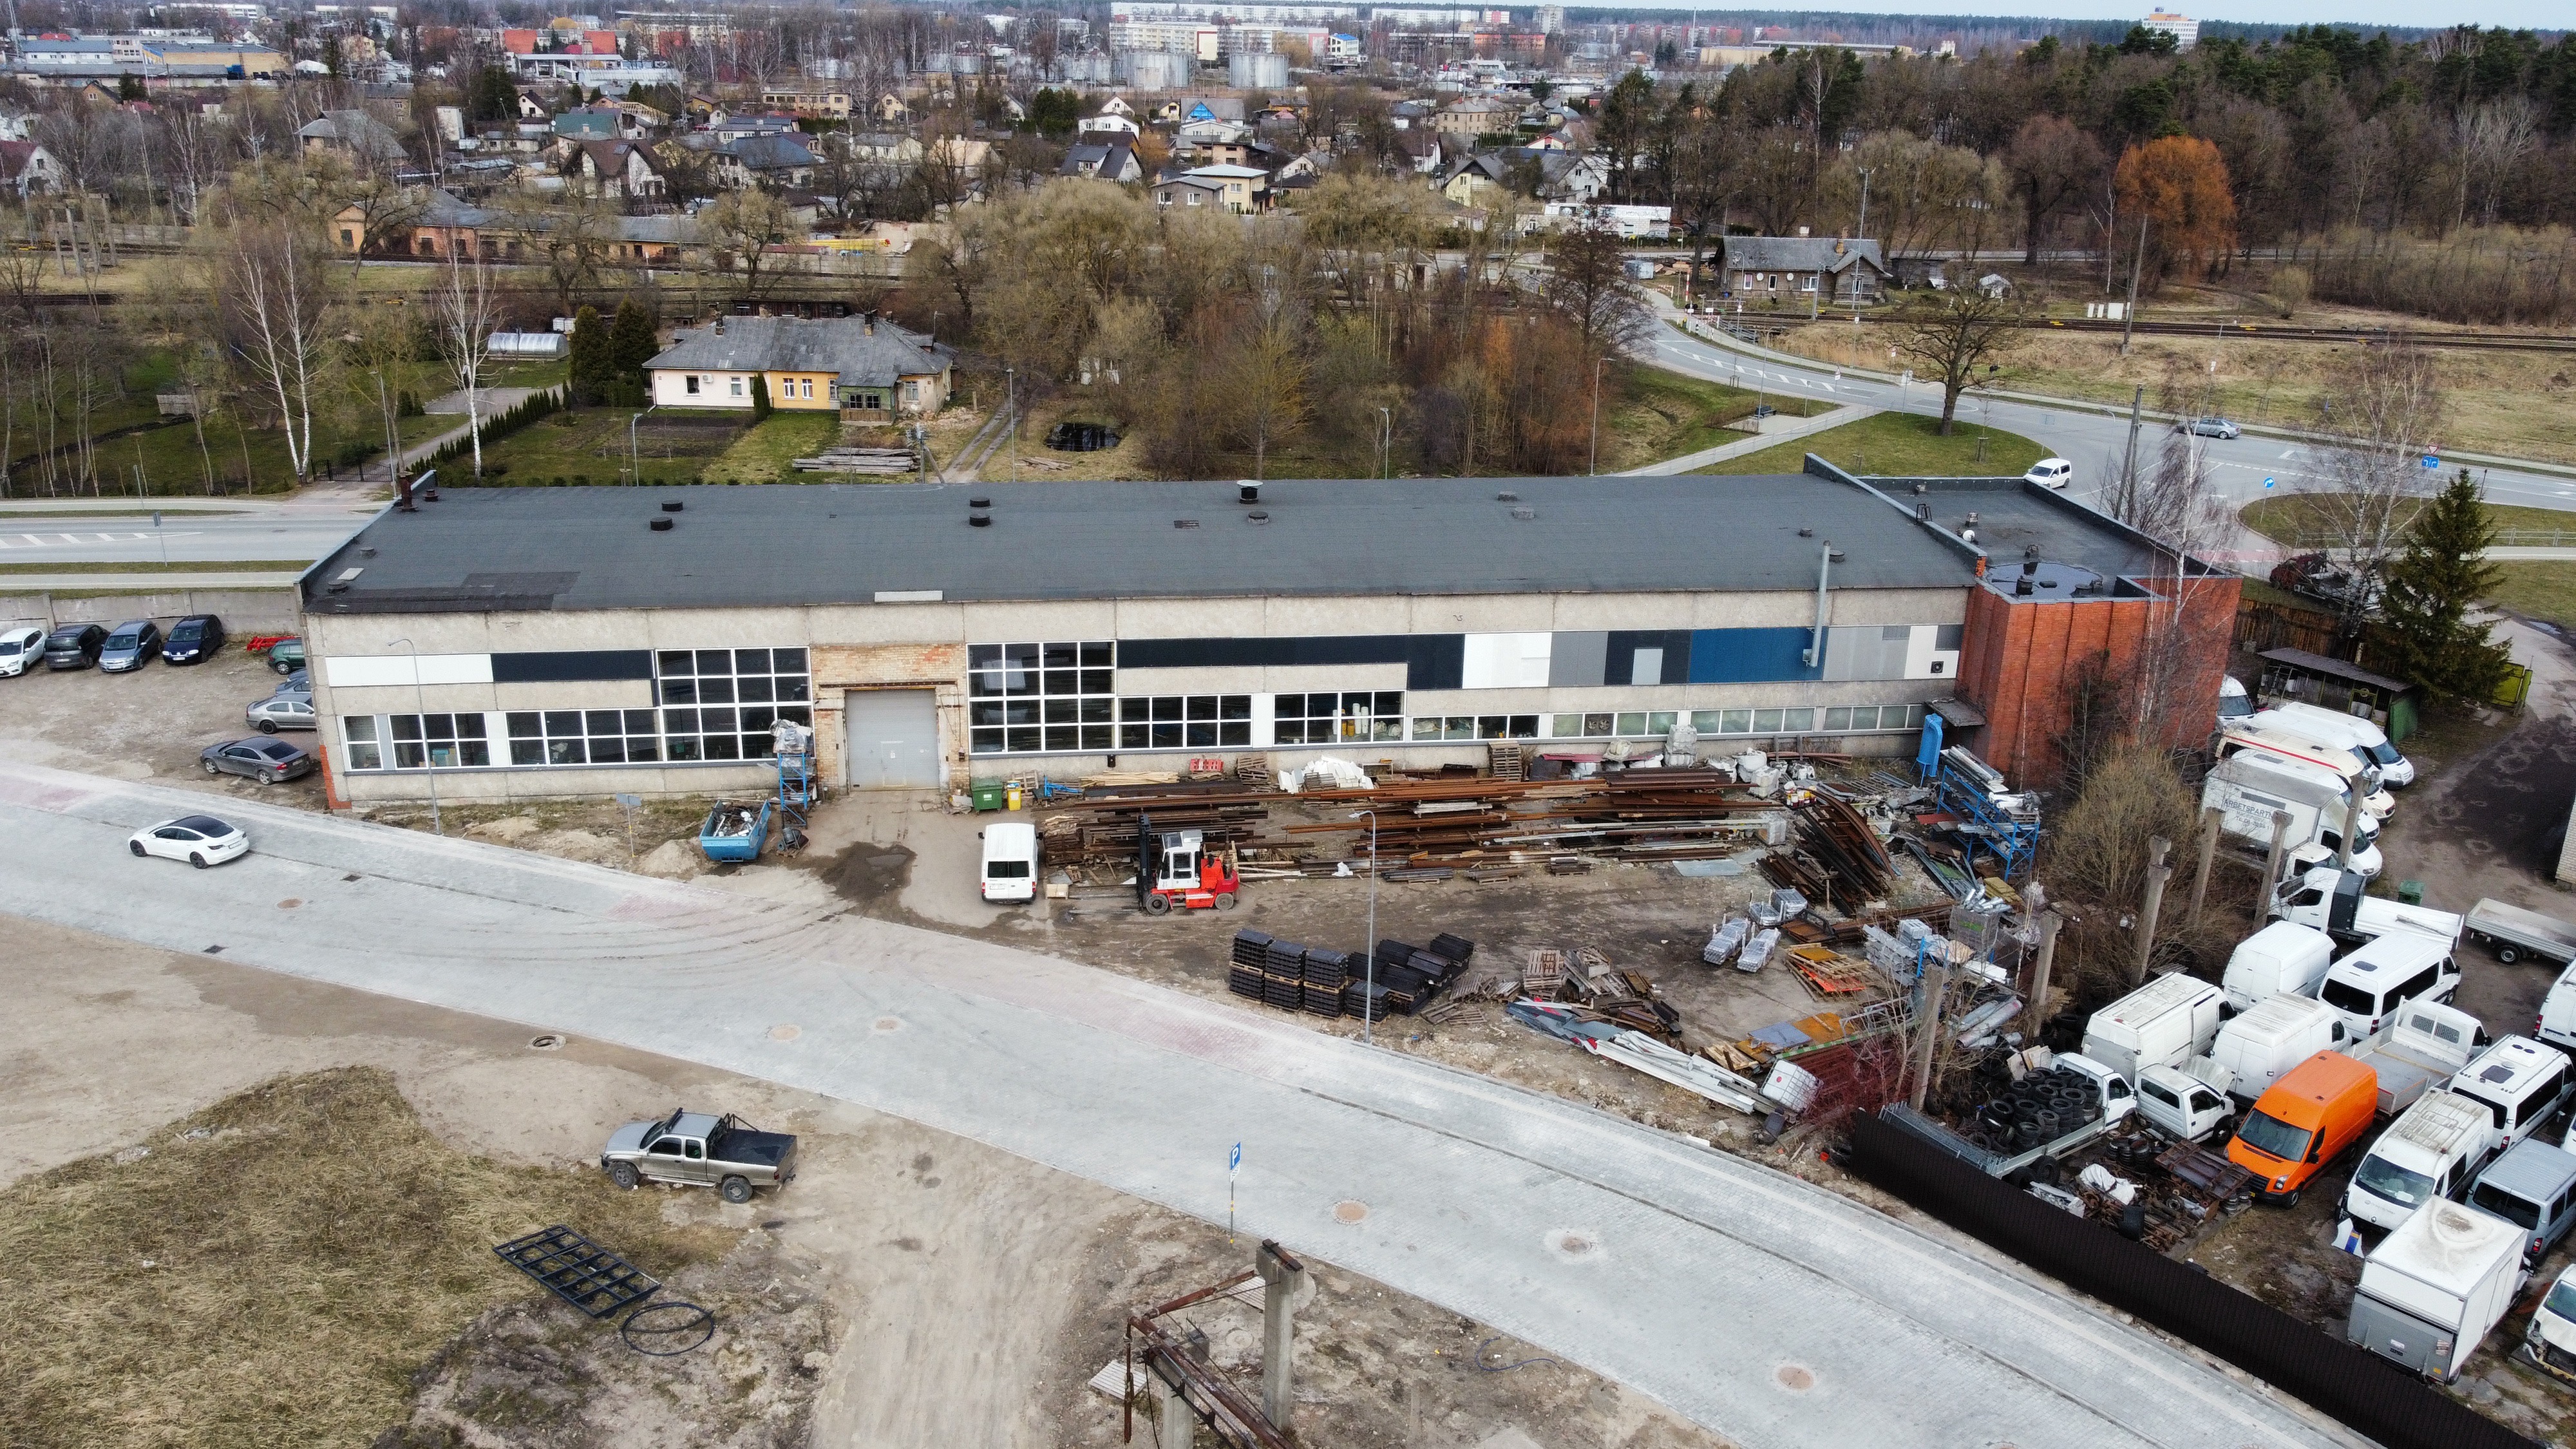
{"points": [[268, 761]]}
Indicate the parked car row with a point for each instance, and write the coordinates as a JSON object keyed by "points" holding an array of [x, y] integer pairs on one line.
{"points": [[127, 647]]}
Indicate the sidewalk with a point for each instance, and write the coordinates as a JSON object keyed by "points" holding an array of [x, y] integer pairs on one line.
{"points": [[143, 582], [1795, 428]]}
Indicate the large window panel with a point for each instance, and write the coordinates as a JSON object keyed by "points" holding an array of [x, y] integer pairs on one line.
{"points": [[1045, 698], [718, 704]]}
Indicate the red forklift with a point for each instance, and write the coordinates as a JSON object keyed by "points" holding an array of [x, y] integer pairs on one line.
{"points": [[1175, 868]]}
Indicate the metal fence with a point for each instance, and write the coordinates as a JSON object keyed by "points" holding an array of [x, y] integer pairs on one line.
{"points": [[2347, 1383]]}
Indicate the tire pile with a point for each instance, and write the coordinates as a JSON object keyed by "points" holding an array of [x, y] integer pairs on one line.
{"points": [[2038, 1109]]}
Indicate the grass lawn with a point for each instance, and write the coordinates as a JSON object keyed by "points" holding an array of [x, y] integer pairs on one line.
{"points": [[763, 454], [2299, 520], [277, 1267], [2540, 589], [589, 445], [1898, 445], [1666, 415]]}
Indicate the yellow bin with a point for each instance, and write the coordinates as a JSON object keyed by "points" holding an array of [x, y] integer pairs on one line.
{"points": [[1013, 798]]}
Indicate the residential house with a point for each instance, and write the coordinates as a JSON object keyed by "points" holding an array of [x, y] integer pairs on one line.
{"points": [[1239, 189], [960, 153], [890, 110], [1117, 106], [1801, 268], [726, 128], [532, 107], [890, 148], [1185, 109], [858, 365], [1563, 175], [1107, 123], [1113, 159], [618, 171], [1476, 117], [448, 226], [774, 161], [354, 134], [809, 103], [1475, 178], [29, 169], [596, 123]]}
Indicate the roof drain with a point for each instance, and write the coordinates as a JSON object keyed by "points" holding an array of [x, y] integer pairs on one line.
{"points": [[1816, 639]]}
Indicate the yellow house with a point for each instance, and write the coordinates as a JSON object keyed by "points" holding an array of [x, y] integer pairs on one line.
{"points": [[802, 391], [867, 369]]}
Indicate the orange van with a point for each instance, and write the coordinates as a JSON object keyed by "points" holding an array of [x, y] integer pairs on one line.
{"points": [[2304, 1121]]}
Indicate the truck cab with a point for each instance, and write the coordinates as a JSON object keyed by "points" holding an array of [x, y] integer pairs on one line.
{"points": [[2337, 902], [2184, 1106]]}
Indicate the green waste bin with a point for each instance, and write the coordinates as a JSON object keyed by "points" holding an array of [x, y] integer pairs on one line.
{"points": [[2411, 892], [989, 796]]}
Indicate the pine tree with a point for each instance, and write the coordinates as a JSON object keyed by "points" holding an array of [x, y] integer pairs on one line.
{"points": [[592, 370], [759, 396], [2425, 631], [632, 343]]}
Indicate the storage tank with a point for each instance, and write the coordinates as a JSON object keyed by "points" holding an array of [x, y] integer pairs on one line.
{"points": [[1154, 70], [1257, 71]]}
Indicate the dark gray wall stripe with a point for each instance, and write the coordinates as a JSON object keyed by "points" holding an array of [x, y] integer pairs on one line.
{"points": [[572, 665]]}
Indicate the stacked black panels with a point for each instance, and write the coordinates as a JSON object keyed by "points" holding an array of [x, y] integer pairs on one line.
{"points": [[1325, 974], [1243, 975], [1455, 948], [1356, 1000], [1283, 975]]}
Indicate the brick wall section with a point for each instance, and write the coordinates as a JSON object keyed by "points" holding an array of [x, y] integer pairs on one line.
{"points": [[840, 668], [2021, 655]]}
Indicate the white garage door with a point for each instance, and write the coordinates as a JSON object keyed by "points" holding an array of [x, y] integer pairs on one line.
{"points": [[894, 739]]}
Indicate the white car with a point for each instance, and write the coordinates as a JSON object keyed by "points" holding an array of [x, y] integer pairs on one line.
{"points": [[20, 648], [200, 840], [2050, 473]]}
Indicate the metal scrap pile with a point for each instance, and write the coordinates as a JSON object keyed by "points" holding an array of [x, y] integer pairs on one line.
{"points": [[1838, 860], [2144, 1186]]}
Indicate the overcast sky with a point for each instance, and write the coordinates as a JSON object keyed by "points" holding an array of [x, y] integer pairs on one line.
{"points": [[2511, 14]]}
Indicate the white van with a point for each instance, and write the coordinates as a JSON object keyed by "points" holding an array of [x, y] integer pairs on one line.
{"points": [[2368, 985], [2429, 1153], [2519, 1081], [2557, 1024], [2233, 701], [2164, 1023], [2338, 760], [2333, 726], [2282, 959], [1010, 861], [2050, 473], [2278, 1034]]}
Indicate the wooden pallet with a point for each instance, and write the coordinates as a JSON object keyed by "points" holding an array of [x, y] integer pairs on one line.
{"points": [[1827, 975], [1544, 974]]}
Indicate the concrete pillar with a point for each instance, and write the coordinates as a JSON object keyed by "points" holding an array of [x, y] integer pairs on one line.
{"points": [[1280, 1273], [2272, 867], [2157, 874], [1175, 1426], [2210, 820], [1927, 1042], [2351, 828], [2049, 921]]}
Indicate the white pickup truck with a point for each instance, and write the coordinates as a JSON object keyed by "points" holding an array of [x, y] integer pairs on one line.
{"points": [[2419, 1051], [2335, 902]]}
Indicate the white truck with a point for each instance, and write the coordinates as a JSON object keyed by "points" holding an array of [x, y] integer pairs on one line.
{"points": [[2164, 1023], [2333, 725], [2248, 787], [2427, 1155], [2422, 1048], [2513, 933], [2282, 959], [2337, 902], [2256, 1047], [2188, 1103], [2434, 1288]]}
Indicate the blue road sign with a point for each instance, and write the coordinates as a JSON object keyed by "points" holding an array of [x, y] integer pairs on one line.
{"points": [[2267, 482], [1234, 1159], [2432, 460]]}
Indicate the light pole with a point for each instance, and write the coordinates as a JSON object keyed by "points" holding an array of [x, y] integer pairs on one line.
{"points": [[1594, 466], [1011, 414], [1860, 234], [1368, 991], [1385, 443], [634, 460], [420, 701]]}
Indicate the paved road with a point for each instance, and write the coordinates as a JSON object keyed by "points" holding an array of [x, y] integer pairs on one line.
{"points": [[2094, 440], [130, 538], [1776, 1313]]}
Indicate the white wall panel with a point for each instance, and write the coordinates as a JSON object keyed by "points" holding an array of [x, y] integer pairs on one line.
{"points": [[359, 671]]}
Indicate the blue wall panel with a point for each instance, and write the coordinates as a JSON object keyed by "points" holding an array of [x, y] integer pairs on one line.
{"points": [[1749, 656]]}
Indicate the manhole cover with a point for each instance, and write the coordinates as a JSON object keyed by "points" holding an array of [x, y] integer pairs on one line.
{"points": [[1573, 1245], [549, 1042], [1349, 1210], [288, 904], [1796, 1378], [889, 1023], [785, 1032]]}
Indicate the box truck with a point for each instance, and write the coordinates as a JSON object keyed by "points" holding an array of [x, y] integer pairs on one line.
{"points": [[2248, 788], [2432, 1290], [2334, 726]]}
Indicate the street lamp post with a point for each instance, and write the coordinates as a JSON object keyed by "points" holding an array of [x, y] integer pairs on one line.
{"points": [[634, 459], [1368, 991], [1860, 234], [1385, 443], [420, 701]]}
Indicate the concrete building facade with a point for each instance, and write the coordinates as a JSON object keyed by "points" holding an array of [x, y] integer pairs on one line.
{"points": [[552, 642]]}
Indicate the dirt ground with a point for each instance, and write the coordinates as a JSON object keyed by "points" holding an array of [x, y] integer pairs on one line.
{"points": [[973, 1293]]}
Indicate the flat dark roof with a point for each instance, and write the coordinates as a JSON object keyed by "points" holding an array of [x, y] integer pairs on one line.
{"points": [[480, 549]]}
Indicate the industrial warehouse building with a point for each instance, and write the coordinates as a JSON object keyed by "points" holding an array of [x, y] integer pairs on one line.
{"points": [[532, 642]]}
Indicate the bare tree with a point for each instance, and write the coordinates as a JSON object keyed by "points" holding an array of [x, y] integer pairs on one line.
{"points": [[2052, 162], [277, 287], [738, 229], [1953, 334], [465, 309], [1587, 281], [2383, 409]]}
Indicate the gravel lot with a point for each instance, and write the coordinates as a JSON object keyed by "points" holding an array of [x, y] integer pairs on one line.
{"points": [[147, 725]]}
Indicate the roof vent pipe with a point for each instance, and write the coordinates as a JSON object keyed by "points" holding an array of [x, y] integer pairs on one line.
{"points": [[1247, 491], [1816, 640], [662, 524], [673, 506], [1923, 512]]}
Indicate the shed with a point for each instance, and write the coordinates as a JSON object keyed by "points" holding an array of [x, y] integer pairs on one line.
{"points": [[2316, 679]]}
